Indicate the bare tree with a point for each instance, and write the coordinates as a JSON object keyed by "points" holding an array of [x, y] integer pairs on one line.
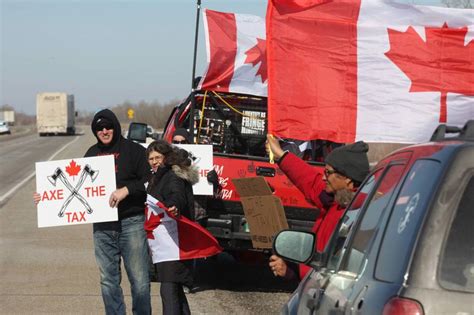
{"points": [[154, 114], [465, 4]]}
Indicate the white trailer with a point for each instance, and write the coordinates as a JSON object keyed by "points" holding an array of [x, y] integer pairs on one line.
{"points": [[55, 114], [8, 116]]}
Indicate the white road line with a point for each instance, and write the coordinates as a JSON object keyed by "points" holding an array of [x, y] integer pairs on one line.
{"points": [[11, 191]]}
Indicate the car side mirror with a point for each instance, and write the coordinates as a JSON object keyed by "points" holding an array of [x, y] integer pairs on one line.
{"points": [[137, 132], [295, 246]]}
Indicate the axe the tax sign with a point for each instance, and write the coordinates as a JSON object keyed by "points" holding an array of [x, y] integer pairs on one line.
{"points": [[75, 191]]}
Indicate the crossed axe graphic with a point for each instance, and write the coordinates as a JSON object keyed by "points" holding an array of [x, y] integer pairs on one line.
{"points": [[58, 173]]}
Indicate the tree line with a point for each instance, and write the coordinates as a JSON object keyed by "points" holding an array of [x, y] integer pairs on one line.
{"points": [[152, 113]]}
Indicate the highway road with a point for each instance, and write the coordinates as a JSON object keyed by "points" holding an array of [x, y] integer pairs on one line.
{"points": [[53, 270], [19, 154]]}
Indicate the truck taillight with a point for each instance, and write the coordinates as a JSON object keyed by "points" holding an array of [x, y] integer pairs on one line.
{"points": [[402, 306]]}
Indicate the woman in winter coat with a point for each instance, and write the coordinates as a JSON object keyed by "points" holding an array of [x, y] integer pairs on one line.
{"points": [[171, 183]]}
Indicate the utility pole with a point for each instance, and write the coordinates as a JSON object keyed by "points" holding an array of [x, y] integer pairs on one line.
{"points": [[193, 98], [198, 11]]}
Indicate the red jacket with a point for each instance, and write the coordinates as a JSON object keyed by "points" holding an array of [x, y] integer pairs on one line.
{"points": [[309, 181]]}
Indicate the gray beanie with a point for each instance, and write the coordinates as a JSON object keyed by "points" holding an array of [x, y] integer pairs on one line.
{"points": [[350, 160]]}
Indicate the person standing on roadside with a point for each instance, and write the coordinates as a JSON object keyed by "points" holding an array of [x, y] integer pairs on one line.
{"points": [[181, 136], [198, 213], [171, 179], [346, 168], [126, 238]]}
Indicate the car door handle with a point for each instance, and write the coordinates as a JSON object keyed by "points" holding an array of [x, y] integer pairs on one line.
{"points": [[313, 302], [265, 171]]}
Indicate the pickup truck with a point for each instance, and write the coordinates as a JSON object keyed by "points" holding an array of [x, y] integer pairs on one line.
{"points": [[236, 126]]}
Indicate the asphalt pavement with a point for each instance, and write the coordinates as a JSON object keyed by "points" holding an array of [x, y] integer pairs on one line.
{"points": [[49, 270], [53, 270]]}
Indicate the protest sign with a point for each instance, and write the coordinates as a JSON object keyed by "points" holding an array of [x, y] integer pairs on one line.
{"points": [[263, 210], [201, 155], [75, 191]]}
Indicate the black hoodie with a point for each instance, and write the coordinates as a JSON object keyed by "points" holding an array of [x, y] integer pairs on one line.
{"points": [[131, 166]]}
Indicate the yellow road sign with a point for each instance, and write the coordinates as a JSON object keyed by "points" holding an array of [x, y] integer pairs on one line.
{"points": [[130, 113]]}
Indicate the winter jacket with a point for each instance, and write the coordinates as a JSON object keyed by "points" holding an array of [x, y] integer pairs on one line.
{"points": [[173, 187], [310, 182], [131, 167]]}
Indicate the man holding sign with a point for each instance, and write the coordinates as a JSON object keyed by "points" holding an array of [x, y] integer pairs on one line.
{"points": [[126, 238]]}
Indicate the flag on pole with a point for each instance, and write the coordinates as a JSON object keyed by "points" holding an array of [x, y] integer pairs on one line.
{"points": [[176, 238], [236, 53], [371, 70]]}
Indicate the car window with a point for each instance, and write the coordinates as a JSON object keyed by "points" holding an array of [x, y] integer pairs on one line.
{"points": [[369, 223], [349, 219], [405, 220], [457, 261]]}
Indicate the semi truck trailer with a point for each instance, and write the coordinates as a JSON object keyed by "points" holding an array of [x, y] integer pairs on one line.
{"points": [[55, 114], [8, 116]]}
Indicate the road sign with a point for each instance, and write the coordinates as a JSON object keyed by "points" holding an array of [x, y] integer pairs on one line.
{"points": [[130, 113]]}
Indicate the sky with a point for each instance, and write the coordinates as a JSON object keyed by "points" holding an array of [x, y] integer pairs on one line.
{"points": [[105, 52]]}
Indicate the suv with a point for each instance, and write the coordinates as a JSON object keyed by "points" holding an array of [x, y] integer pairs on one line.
{"points": [[235, 125], [407, 248]]}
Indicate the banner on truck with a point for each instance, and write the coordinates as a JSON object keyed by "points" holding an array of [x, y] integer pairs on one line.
{"points": [[75, 191]]}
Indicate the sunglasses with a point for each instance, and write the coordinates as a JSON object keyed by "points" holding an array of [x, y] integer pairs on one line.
{"points": [[327, 172], [101, 126], [179, 142]]}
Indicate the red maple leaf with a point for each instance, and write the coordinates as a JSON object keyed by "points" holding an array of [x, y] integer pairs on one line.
{"points": [[258, 54], [73, 169], [443, 63], [152, 223]]}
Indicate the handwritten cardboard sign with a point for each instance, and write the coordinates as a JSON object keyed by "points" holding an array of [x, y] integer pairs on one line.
{"points": [[264, 211], [75, 191]]}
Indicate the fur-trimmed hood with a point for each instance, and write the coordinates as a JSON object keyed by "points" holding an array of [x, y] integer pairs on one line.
{"points": [[190, 174]]}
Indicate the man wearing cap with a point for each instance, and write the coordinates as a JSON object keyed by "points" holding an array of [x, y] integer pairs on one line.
{"points": [[126, 238], [181, 136], [346, 168]]}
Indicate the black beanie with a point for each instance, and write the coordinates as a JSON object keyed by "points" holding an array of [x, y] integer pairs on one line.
{"points": [[184, 133], [350, 160]]}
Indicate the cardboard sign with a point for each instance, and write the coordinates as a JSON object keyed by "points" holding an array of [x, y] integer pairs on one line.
{"points": [[264, 211], [75, 191], [202, 157]]}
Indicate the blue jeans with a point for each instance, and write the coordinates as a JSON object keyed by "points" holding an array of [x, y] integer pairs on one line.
{"points": [[127, 241]]}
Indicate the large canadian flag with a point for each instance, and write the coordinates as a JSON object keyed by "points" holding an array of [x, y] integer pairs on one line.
{"points": [[176, 238], [236, 58], [373, 70]]}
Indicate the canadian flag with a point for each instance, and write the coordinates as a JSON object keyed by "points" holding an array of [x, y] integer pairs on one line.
{"points": [[373, 70], [175, 238], [236, 57]]}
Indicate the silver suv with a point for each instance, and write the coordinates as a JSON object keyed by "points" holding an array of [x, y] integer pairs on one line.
{"points": [[406, 244]]}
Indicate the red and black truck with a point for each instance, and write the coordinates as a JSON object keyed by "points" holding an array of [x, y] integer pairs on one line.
{"points": [[236, 126]]}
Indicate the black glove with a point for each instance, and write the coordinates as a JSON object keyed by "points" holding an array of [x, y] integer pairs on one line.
{"points": [[213, 179]]}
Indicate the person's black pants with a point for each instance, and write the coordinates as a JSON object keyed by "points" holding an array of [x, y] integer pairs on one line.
{"points": [[173, 299]]}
